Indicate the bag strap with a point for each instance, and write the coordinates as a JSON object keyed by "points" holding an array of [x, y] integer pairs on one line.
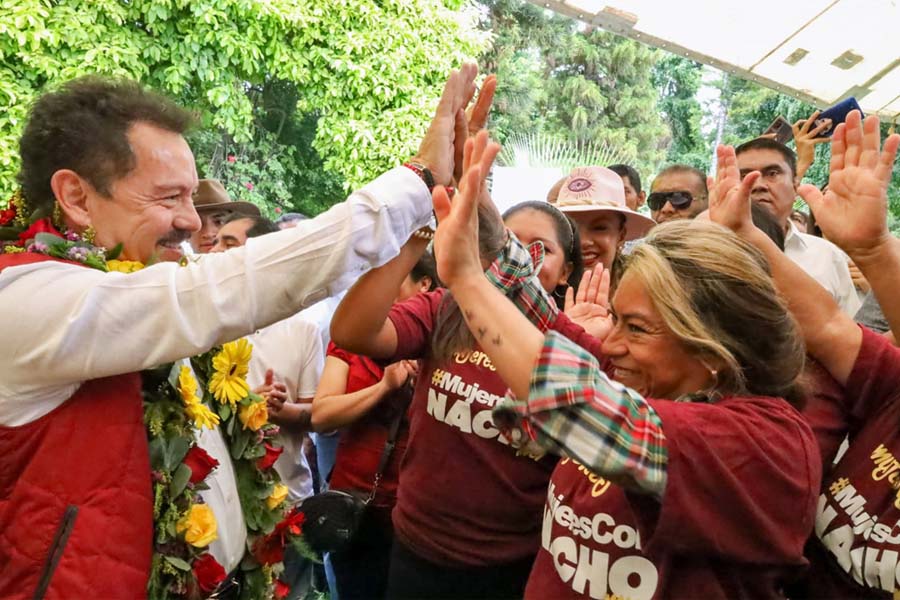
{"points": [[389, 445]]}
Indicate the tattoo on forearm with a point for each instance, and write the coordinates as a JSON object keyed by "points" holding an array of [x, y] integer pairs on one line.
{"points": [[482, 331]]}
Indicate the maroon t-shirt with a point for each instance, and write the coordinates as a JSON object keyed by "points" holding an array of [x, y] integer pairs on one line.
{"points": [[743, 475], [855, 552], [466, 498], [361, 445]]}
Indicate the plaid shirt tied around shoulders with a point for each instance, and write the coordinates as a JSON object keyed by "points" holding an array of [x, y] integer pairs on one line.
{"points": [[573, 407]]}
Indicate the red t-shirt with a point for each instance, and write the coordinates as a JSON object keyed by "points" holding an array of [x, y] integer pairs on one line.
{"points": [[743, 475], [361, 444], [855, 552], [465, 498]]}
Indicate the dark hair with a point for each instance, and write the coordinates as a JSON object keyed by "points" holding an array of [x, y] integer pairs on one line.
{"points": [[766, 144], [426, 267], [291, 217], [766, 222], [259, 225], [629, 172], [451, 334], [569, 241], [681, 168], [83, 126]]}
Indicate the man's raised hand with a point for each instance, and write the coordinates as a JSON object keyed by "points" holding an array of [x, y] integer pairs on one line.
{"points": [[437, 149], [852, 213]]}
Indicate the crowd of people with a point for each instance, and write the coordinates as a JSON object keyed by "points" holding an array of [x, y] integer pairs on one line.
{"points": [[578, 398]]}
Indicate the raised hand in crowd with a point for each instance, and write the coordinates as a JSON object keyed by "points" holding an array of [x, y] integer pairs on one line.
{"points": [[589, 306], [853, 211], [437, 149], [806, 137], [456, 239], [472, 121], [831, 336]]}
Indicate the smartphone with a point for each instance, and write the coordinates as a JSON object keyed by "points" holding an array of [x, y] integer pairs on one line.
{"points": [[838, 114], [782, 130]]}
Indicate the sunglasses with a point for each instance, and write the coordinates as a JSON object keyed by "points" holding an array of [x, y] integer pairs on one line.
{"points": [[678, 200]]}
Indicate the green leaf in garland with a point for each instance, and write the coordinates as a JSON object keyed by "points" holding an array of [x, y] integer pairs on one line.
{"points": [[175, 451], [115, 252], [178, 563], [48, 238], [239, 442], [174, 372], [225, 412], [158, 454], [180, 480]]}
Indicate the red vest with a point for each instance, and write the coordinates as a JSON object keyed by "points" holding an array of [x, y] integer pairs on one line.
{"points": [[76, 506]]}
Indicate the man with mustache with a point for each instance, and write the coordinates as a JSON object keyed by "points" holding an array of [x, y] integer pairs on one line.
{"points": [[775, 191], [108, 158]]}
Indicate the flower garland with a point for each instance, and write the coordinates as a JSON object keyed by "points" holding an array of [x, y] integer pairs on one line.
{"points": [[205, 391]]}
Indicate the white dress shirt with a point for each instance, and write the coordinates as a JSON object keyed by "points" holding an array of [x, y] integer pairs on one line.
{"points": [[68, 324], [826, 263]]}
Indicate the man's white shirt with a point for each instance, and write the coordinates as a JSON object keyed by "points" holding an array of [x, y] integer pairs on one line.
{"points": [[827, 264], [69, 324]]}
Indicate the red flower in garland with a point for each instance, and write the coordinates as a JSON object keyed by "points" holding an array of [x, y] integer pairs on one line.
{"points": [[272, 454], [200, 463], [39, 226], [269, 550], [209, 572], [7, 216], [281, 589]]}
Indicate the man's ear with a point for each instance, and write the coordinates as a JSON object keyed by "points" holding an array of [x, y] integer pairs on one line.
{"points": [[642, 198], [71, 192]]}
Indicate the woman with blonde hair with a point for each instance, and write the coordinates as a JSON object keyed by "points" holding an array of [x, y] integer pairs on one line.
{"points": [[688, 470]]}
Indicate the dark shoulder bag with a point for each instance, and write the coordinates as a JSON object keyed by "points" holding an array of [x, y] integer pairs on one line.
{"points": [[333, 517]]}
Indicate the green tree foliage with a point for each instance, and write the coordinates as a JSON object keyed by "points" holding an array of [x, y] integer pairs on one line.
{"points": [[368, 71], [678, 80], [566, 83]]}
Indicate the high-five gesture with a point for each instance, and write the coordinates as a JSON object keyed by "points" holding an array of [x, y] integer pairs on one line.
{"points": [[472, 121], [729, 196], [456, 238], [437, 149], [853, 212]]}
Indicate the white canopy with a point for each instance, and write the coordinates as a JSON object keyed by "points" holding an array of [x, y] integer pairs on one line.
{"points": [[820, 51]]}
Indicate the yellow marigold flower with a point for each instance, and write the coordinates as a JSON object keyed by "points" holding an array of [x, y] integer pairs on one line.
{"points": [[254, 415], [201, 415], [278, 495], [187, 385], [198, 526], [124, 266], [228, 383]]}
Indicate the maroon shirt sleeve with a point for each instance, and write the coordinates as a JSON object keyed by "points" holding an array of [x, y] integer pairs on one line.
{"points": [[577, 334], [414, 321], [874, 380], [825, 409], [743, 475]]}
